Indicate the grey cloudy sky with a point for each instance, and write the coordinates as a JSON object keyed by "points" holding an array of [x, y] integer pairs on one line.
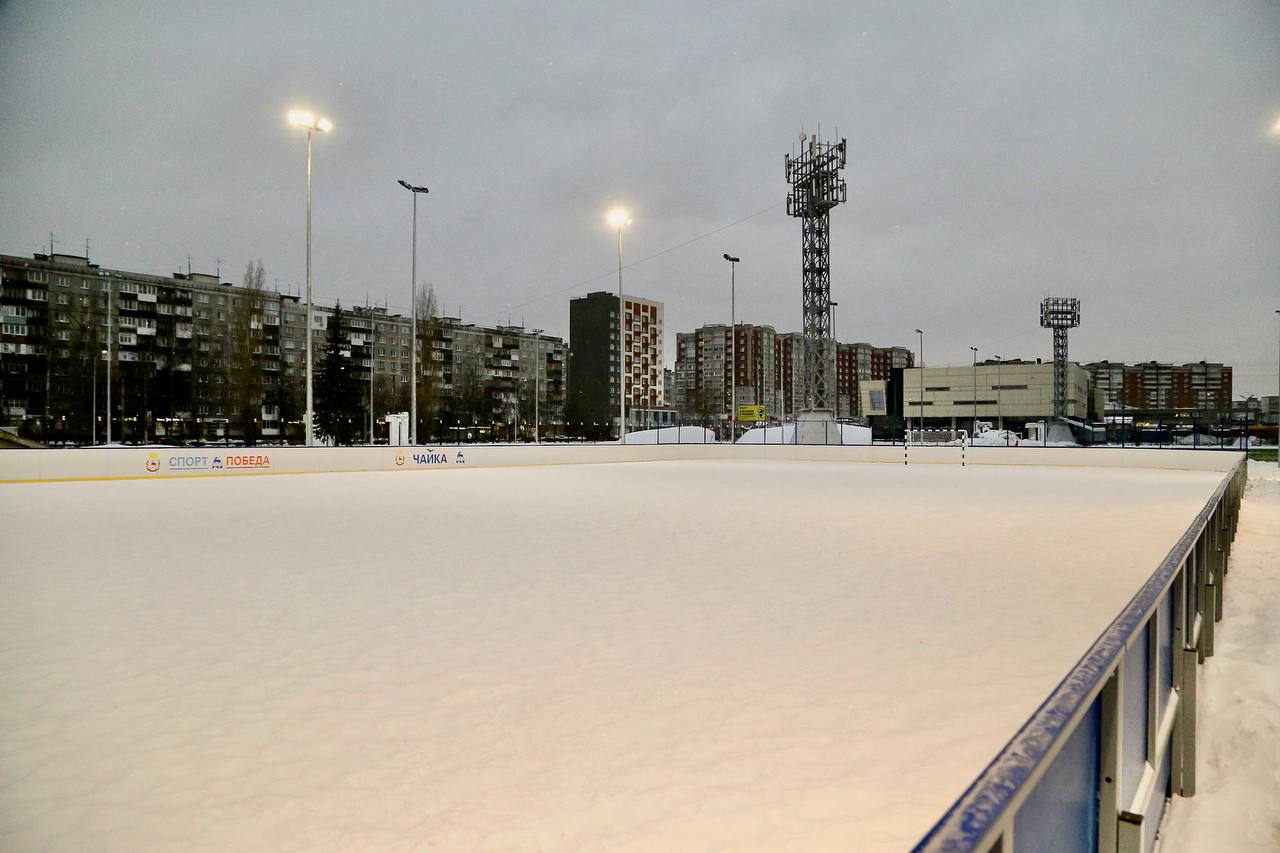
{"points": [[998, 152]]}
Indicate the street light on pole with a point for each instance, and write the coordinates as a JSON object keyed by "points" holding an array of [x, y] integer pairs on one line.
{"points": [[835, 364], [619, 219], [312, 124], [110, 352], [999, 417], [733, 337], [920, 359], [413, 314], [975, 392]]}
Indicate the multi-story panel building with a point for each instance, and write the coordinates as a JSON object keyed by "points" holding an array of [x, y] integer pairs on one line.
{"points": [[769, 371], [1164, 389], [704, 377], [788, 371], [595, 362], [192, 357]]}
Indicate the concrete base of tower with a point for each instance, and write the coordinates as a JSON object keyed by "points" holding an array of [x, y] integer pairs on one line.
{"points": [[817, 426]]}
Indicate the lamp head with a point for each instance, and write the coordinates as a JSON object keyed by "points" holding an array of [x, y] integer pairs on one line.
{"points": [[307, 119], [619, 217]]}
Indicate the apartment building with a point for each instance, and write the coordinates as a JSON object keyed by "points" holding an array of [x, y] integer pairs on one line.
{"points": [[192, 357], [595, 363], [769, 370], [1161, 387]]}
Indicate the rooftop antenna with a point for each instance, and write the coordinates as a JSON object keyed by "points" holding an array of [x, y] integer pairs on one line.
{"points": [[218, 261], [51, 242], [188, 265], [86, 248]]}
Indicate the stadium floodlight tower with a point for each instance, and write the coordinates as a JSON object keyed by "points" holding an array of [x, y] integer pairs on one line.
{"points": [[1059, 313], [816, 187]]}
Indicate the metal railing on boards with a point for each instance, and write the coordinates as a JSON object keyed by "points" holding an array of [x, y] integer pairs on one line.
{"points": [[1094, 766]]}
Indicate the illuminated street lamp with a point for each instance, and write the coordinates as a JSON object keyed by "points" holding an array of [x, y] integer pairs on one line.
{"points": [[619, 219], [413, 312], [312, 124]]}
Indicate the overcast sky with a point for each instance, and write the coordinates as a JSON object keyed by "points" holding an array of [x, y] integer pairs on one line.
{"points": [[998, 152]]}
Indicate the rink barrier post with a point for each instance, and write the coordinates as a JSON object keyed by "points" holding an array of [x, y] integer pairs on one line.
{"points": [[1098, 763]]}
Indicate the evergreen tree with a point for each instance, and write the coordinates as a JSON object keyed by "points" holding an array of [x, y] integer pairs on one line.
{"points": [[338, 406]]}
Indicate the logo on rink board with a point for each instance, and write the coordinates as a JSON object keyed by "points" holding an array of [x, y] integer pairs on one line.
{"points": [[429, 457], [221, 462]]}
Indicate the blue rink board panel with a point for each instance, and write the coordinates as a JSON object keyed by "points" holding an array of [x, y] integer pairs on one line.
{"points": [[1061, 814]]}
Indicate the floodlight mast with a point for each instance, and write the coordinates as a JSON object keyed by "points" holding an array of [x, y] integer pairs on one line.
{"points": [[816, 187], [1059, 314]]}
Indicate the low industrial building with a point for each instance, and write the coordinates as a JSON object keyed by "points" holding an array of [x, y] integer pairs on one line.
{"points": [[1008, 394]]}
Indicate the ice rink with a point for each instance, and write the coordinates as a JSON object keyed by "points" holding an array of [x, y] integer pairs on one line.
{"points": [[721, 655]]}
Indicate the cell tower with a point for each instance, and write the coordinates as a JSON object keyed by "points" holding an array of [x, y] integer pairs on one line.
{"points": [[816, 187], [1059, 313]]}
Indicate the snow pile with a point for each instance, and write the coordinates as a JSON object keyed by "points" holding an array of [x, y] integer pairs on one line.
{"points": [[672, 435], [786, 434], [1237, 803], [996, 438]]}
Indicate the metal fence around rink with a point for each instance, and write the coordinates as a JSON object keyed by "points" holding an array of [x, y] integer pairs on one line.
{"points": [[1098, 764]]}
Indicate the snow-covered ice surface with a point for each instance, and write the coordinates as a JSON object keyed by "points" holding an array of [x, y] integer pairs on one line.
{"points": [[646, 656], [1236, 808]]}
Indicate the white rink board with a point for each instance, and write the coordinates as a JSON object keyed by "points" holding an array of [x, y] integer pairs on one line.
{"points": [[678, 655], [162, 463]]}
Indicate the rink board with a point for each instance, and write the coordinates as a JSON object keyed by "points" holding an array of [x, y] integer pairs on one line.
{"points": [[760, 655]]}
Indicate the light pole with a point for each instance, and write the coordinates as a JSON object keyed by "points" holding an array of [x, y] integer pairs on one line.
{"points": [[309, 121], [733, 338], [110, 345], [835, 363], [93, 427], [1278, 376], [413, 314], [920, 359], [975, 392], [619, 219], [999, 416]]}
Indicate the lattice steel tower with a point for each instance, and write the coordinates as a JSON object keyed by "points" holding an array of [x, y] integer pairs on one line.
{"points": [[1059, 313], [816, 187]]}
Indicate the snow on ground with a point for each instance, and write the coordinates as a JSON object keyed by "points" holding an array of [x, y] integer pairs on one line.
{"points": [[672, 435], [1236, 808], [651, 656], [786, 434]]}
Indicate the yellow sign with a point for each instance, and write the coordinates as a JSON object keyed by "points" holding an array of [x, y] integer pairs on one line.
{"points": [[751, 413]]}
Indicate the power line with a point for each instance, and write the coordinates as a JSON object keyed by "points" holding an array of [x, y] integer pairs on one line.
{"points": [[613, 272]]}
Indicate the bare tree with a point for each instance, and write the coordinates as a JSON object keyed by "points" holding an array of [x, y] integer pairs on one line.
{"points": [[428, 367], [245, 344]]}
